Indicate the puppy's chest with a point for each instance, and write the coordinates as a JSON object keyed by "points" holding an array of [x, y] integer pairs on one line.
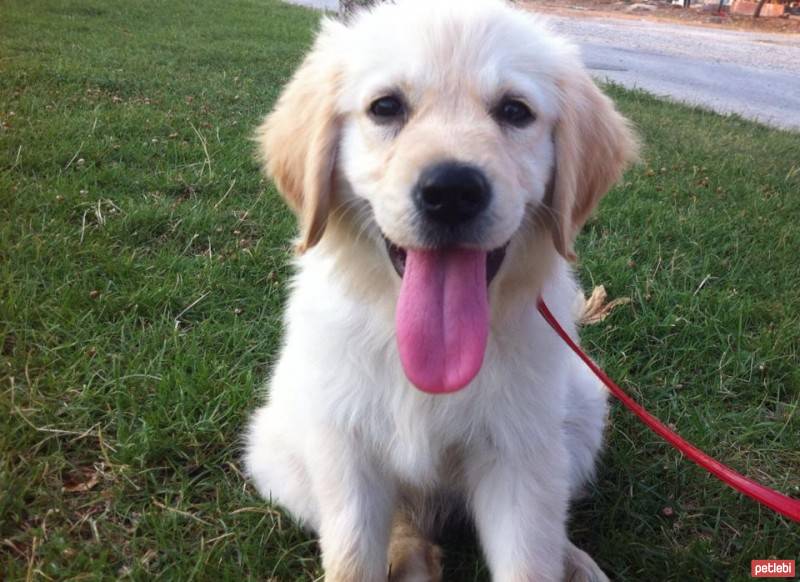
{"points": [[424, 438], [431, 467], [429, 447], [361, 387]]}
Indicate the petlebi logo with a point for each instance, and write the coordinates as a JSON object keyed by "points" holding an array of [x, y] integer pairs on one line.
{"points": [[772, 568]]}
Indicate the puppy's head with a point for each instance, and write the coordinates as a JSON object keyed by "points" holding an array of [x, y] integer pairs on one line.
{"points": [[462, 127]]}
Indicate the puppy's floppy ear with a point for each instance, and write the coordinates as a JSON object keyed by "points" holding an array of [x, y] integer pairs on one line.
{"points": [[593, 146], [297, 143]]}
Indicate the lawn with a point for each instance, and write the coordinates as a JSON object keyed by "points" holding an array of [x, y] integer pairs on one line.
{"points": [[143, 265]]}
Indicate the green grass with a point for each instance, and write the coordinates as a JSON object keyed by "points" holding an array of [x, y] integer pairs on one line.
{"points": [[142, 271]]}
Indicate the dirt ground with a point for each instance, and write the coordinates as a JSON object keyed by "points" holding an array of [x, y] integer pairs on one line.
{"points": [[663, 11]]}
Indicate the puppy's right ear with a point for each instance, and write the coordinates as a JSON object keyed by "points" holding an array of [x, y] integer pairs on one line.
{"points": [[297, 142], [594, 144]]}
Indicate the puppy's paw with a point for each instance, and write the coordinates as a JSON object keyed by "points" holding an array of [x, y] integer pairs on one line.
{"points": [[582, 568], [419, 564], [413, 558]]}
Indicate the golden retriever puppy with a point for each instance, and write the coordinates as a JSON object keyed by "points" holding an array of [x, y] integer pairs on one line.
{"points": [[441, 157]]}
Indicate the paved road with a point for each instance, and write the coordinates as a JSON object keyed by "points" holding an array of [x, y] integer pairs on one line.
{"points": [[754, 74], [321, 4]]}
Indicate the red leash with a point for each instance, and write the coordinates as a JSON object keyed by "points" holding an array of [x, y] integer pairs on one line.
{"points": [[776, 501]]}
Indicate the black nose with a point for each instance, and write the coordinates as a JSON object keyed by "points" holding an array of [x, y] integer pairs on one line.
{"points": [[452, 193]]}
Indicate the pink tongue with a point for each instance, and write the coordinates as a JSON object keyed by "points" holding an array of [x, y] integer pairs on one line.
{"points": [[443, 318]]}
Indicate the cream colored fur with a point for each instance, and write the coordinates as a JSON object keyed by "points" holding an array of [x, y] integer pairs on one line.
{"points": [[344, 441]]}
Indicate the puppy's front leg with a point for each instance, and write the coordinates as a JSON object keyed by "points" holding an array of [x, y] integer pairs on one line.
{"points": [[356, 501], [520, 509]]}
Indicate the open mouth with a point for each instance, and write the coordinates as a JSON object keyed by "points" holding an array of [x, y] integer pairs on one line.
{"points": [[442, 316], [494, 259]]}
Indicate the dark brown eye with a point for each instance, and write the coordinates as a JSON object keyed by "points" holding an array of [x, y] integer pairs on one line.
{"points": [[387, 108], [514, 112]]}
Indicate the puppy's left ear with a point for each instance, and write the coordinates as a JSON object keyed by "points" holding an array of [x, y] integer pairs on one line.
{"points": [[298, 141], [593, 146]]}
